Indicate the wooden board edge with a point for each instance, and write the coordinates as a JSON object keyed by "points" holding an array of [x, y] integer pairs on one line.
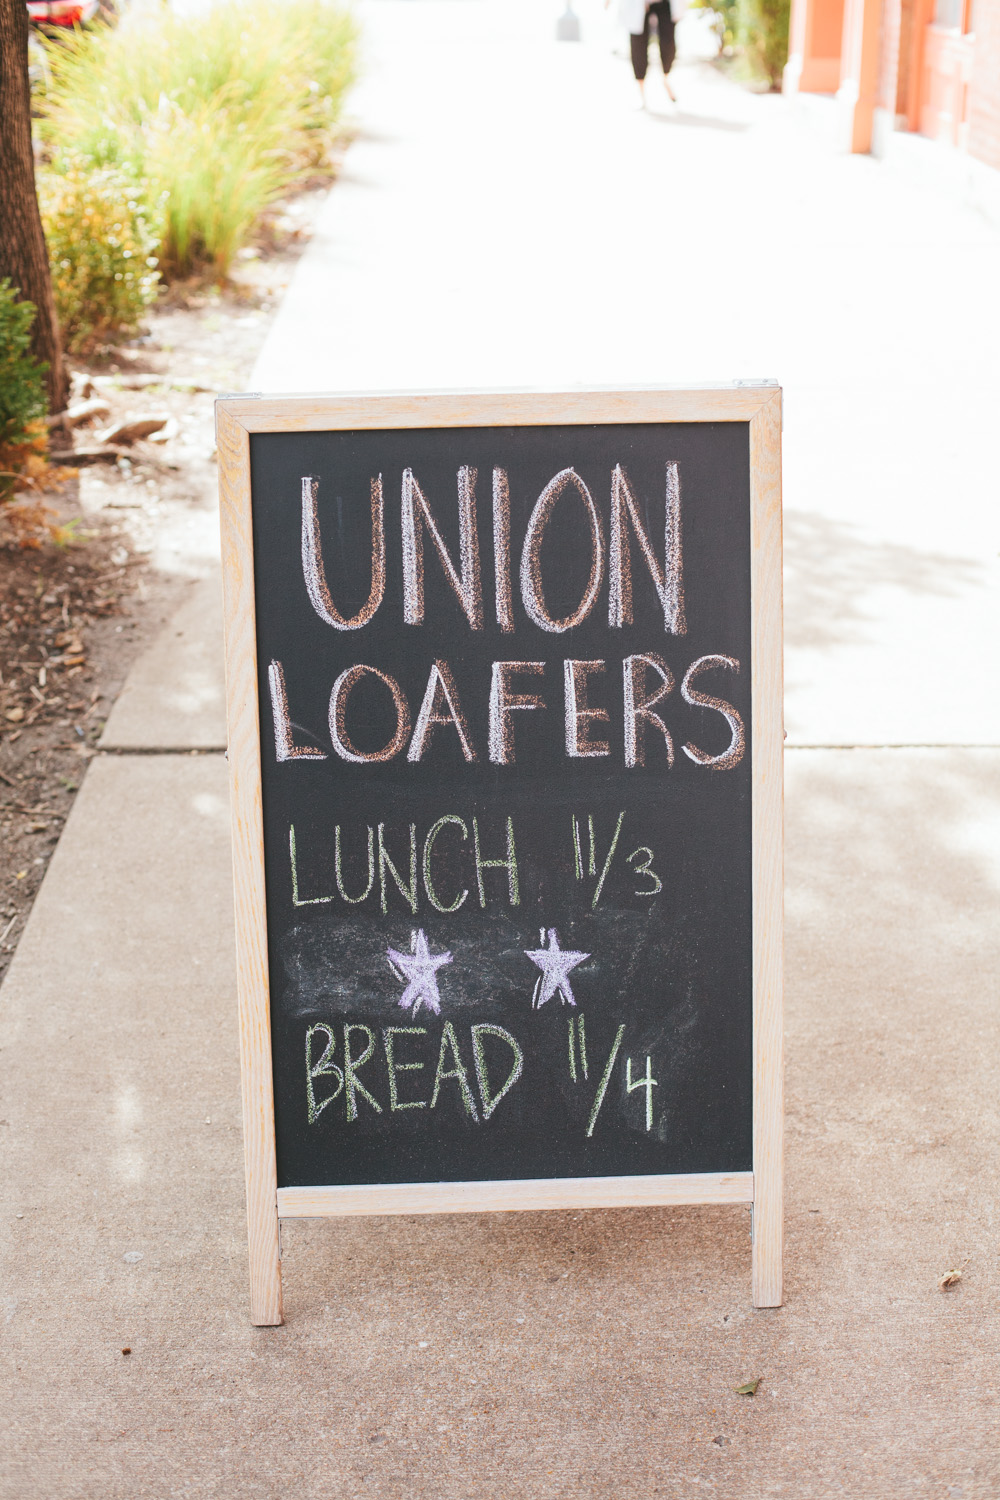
{"points": [[253, 987], [768, 879], [373, 410], [520, 1195]]}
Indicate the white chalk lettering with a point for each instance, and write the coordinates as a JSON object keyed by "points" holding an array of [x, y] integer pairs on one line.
{"points": [[733, 754], [440, 690], [285, 747], [668, 579], [465, 581], [342, 689], [503, 703], [532, 594], [578, 713], [314, 572], [501, 550], [640, 705]]}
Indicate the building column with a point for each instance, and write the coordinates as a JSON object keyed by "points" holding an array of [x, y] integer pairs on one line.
{"points": [[815, 33], [857, 95]]}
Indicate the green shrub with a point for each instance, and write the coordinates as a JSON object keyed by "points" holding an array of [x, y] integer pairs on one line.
{"points": [[763, 34], [22, 390], [757, 32], [101, 245], [217, 113]]}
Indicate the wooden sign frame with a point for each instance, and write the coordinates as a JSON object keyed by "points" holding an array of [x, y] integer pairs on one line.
{"points": [[759, 405]]}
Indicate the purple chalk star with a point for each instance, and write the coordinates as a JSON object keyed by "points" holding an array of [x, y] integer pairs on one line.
{"points": [[419, 969], [555, 964]]}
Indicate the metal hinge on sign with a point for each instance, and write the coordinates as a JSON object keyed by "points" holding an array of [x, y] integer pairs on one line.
{"points": [[766, 381], [239, 396]]}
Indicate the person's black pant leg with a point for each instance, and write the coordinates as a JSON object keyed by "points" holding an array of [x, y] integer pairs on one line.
{"points": [[665, 31], [640, 51]]}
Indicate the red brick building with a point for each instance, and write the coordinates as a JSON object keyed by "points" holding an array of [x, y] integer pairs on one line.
{"points": [[931, 66]]}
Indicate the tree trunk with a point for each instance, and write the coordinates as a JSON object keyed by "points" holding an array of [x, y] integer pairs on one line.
{"points": [[23, 254]]}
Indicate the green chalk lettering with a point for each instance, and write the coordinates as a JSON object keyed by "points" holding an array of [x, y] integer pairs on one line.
{"points": [[490, 1101], [602, 1087], [371, 868], [591, 866], [581, 1037], [311, 900], [648, 1083], [607, 862], [325, 1068], [408, 892], [509, 864], [571, 1028], [352, 1083], [389, 1035], [449, 1039], [428, 846], [646, 869], [577, 857]]}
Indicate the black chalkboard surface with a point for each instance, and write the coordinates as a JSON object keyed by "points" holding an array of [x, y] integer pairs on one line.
{"points": [[639, 876], [506, 768]]}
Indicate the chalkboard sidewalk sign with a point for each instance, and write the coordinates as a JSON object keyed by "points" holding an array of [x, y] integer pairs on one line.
{"points": [[505, 744]]}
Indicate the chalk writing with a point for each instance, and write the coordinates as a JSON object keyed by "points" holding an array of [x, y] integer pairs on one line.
{"points": [[389, 1035], [491, 1100], [644, 854], [313, 571], [577, 1045], [352, 1065], [733, 753], [449, 1043], [667, 580], [443, 707], [610, 856], [531, 568], [602, 1087], [293, 860], [429, 842], [325, 1068], [494, 660], [466, 581], [509, 864], [355, 900], [648, 1083]]}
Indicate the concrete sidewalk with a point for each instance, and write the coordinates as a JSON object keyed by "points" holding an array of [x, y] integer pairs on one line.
{"points": [[564, 1354]]}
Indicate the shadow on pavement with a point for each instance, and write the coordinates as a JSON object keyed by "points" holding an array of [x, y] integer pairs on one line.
{"points": [[832, 571]]}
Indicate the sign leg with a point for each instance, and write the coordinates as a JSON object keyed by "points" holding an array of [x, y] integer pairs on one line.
{"points": [[768, 1238], [265, 1261]]}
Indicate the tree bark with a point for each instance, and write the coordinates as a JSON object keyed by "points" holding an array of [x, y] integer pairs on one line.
{"points": [[23, 254]]}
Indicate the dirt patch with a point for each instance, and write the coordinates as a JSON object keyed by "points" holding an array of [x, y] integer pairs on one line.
{"points": [[73, 618]]}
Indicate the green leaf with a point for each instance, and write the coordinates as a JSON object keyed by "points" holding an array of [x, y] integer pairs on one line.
{"points": [[750, 1389]]}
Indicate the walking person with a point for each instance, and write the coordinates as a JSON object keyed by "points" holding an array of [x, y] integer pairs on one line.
{"points": [[635, 17]]}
